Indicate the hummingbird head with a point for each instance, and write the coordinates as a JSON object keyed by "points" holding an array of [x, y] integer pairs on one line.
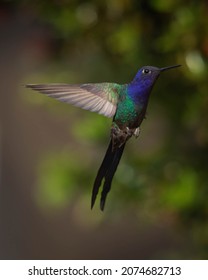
{"points": [[148, 75]]}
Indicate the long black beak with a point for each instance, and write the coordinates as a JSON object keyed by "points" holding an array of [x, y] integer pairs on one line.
{"points": [[169, 67]]}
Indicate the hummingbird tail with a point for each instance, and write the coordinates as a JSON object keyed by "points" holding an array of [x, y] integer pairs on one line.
{"points": [[106, 171], [109, 155], [109, 175]]}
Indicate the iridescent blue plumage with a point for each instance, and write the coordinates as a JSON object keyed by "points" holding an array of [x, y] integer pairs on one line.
{"points": [[127, 105]]}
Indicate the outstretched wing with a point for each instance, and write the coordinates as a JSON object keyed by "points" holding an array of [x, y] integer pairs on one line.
{"points": [[101, 98]]}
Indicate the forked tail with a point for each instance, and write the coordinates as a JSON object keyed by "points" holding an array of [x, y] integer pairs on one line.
{"points": [[106, 172]]}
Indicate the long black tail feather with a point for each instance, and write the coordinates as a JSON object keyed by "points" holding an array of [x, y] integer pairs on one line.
{"points": [[106, 171], [109, 155]]}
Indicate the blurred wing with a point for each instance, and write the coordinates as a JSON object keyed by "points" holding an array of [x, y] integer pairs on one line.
{"points": [[101, 98]]}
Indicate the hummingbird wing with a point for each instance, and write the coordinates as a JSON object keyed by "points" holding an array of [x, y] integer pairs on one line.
{"points": [[101, 98]]}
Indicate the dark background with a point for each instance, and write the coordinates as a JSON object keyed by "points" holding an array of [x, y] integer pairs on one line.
{"points": [[50, 151]]}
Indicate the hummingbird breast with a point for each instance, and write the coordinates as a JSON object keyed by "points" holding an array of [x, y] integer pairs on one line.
{"points": [[129, 114]]}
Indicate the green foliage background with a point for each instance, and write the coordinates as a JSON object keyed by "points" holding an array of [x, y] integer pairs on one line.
{"points": [[162, 178]]}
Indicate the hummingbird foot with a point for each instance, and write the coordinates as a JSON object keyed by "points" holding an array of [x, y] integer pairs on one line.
{"points": [[133, 131], [137, 132]]}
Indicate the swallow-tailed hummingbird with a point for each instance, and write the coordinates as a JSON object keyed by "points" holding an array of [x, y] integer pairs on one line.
{"points": [[126, 104]]}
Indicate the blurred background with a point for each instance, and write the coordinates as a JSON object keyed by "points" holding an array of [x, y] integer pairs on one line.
{"points": [[51, 151]]}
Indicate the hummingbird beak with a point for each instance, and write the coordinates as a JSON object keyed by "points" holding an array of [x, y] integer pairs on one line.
{"points": [[169, 67]]}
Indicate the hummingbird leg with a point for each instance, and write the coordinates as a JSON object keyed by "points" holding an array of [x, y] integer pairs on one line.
{"points": [[133, 131], [119, 136]]}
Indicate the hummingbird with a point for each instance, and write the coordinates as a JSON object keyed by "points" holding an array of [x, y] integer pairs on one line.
{"points": [[125, 103]]}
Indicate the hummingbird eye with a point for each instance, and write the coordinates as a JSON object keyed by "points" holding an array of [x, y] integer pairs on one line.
{"points": [[146, 71]]}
